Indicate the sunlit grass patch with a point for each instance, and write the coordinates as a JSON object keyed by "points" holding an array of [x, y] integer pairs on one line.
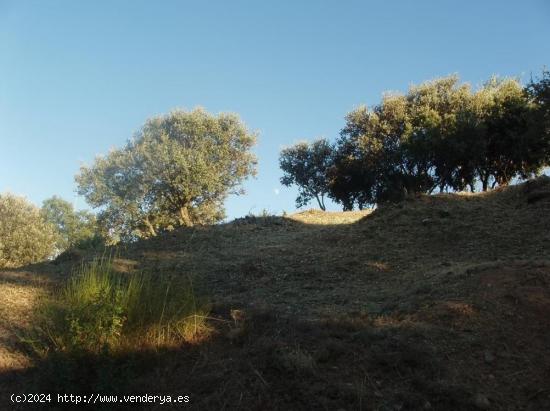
{"points": [[99, 309], [318, 217]]}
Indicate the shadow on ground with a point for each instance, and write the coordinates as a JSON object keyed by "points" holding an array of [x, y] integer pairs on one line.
{"points": [[439, 302], [262, 362]]}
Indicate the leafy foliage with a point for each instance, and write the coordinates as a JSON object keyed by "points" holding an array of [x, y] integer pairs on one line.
{"points": [[178, 170], [306, 165], [440, 135], [25, 237], [539, 93], [75, 228]]}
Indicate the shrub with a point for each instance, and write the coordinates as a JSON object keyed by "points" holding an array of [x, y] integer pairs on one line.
{"points": [[76, 228], [99, 309], [25, 237]]}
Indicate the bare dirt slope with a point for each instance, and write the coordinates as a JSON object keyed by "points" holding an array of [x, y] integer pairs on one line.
{"points": [[439, 302]]}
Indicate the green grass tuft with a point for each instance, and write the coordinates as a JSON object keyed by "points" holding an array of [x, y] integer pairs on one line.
{"points": [[101, 309]]}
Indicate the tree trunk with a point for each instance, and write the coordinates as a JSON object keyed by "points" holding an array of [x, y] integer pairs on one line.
{"points": [[150, 227], [485, 183], [185, 219], [347, 206], [323, 207], [321, 203], [503, 181]]}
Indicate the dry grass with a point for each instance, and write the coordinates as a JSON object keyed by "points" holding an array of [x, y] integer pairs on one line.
{"points": [[318, 217], [314, 263], [432, 303], [19, 292]]}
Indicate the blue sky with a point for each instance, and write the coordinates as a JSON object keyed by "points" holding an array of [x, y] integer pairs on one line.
{"points": [[77, 78]]}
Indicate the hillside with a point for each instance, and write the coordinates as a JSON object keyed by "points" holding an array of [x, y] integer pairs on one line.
{"points": [[438, 302]]}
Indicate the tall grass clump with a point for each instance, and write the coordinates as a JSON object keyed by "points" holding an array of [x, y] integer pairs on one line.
{"points": [[100, 309]]}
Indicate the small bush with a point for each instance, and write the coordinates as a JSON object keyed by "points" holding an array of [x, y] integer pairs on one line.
{"points": [[25, 237], [76, 229], [100, 310]]}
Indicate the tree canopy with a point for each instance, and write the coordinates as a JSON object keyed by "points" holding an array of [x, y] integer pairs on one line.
{"points": [[25, 236], [177, 170], [440, 135], [75, 228], [306, 165]]}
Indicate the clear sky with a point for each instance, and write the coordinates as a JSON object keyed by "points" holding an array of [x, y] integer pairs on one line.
{"points": [[80, 77]]}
